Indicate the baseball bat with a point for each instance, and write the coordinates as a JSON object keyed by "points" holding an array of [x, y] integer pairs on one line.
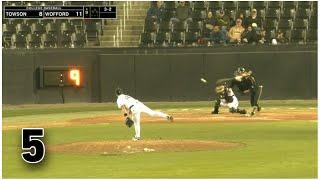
{"points": [[260, 92]]}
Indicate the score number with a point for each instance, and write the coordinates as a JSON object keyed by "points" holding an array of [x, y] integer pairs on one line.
{"points": [[74, 75]]}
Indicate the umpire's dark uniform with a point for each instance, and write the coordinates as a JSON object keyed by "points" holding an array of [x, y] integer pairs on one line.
{"points": [[247, 84]]}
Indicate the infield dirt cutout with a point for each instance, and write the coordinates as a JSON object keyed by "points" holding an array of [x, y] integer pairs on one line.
{"points": [[146, 146], [179, 117]]}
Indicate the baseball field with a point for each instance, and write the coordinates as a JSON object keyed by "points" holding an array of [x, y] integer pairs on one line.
{"points": [[91, 141]]}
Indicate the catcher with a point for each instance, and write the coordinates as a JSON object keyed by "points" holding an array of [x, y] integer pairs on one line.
{"points": [[132, 109], [246, 83], [227, 98]]}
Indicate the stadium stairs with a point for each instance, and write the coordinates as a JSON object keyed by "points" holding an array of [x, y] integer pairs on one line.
{"points": [[134, 25]]}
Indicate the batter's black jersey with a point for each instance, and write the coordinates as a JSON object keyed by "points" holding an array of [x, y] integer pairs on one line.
{"points": [[246, 83]]}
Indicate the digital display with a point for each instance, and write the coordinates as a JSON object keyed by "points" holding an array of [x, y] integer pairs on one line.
{"points": [[45, 12], [60, 76]]}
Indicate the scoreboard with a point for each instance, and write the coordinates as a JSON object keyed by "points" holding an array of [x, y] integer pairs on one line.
{"points": [[86, 12], [60, 76]]}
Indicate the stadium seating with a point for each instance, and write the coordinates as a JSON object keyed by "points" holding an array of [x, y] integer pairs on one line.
{"points": [[311, 35], [285, 24], [274, 4], [37, 28], [22, 29], [298, 35], [162, 37], [297, 20], [215, 5], [48, 40], [176, 38], [164, 26], [288, 13], [78, 39], [145, 39], [33, 41], [313, 23], [18, 41], [289, 4], [50, 33]]}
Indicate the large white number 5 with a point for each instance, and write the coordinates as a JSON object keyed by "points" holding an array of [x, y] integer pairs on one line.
{"points": [[30, 140]]}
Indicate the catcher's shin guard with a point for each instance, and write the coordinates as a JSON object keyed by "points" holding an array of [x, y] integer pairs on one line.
{"points": [[216, 107], [232, 110]]}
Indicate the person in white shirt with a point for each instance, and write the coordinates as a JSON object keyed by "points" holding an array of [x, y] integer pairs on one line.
{"points": [[133, 107]]}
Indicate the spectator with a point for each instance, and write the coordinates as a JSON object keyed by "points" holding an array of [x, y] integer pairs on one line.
{"points": [[253, 20], [223, 20], [209, 23], [236, 31], [250, 36], [183, 14], [240, 16], [217, 37], [155, 13], [281, 38], [262, 37]]}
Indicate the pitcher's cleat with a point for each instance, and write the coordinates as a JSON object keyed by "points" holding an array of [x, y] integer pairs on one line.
{"points": [[136, 139], [170, 118]]}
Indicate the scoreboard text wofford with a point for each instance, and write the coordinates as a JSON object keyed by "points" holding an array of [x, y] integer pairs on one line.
{"points": [[86, 12]]}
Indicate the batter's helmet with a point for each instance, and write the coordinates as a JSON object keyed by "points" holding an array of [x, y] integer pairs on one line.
{"points": [[118, 91], [241, 70]]}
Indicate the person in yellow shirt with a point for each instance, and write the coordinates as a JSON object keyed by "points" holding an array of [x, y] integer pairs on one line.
{"points": [[236, 31]]}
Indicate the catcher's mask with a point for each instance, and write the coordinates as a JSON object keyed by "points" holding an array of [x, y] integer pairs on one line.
{"points": [[118, 91], [220, 89]]}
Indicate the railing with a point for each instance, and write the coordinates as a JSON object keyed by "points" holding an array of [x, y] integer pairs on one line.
{"points": [[118, 36]]}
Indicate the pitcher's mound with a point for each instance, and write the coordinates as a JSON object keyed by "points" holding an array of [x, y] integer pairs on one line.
{"points": [[128, 147]]}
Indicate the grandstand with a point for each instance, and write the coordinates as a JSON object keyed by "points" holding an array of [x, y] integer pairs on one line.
{"points": [[152, 24]]}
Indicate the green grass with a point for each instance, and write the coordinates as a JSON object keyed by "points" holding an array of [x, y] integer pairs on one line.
{"points": [[286, 149], [24, 110]]}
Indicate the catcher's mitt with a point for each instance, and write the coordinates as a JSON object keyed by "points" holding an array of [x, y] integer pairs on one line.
{"points": [[128, 121]]}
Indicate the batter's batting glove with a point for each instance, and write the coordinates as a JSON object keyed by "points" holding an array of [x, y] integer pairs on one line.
{"points": [[128, 122]]}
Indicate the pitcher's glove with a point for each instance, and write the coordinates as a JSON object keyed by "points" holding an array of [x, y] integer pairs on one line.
{"points": [[128, 121]]}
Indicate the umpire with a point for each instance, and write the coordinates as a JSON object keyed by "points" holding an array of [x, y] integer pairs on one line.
{"points": [[246, 84]]}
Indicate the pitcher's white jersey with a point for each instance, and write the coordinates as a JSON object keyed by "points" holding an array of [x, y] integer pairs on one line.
{"points": [[136, 108], [126, 100]]}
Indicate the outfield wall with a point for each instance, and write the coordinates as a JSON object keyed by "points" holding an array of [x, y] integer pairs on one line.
{"points": [[287, 72]]}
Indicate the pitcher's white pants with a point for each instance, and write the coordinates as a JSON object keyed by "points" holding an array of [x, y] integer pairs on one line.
{"points": [[139, 108]]}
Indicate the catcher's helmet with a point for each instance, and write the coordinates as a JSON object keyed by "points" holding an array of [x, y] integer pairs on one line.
{"points": [[118, 91], [220, 89]]}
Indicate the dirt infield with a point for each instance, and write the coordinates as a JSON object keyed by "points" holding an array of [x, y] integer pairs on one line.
{"points": [[130, 147], [188, 116]]}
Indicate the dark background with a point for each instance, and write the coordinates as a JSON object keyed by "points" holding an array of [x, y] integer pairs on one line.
{"points": [[287, 72]]}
